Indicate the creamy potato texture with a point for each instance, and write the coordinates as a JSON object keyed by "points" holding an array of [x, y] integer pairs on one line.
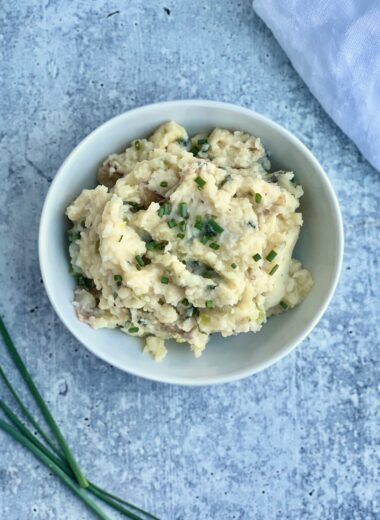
{"points": [[185, 237]]}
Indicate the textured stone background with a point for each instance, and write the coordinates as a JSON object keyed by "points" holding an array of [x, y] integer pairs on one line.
{"points": [[299, 441]]}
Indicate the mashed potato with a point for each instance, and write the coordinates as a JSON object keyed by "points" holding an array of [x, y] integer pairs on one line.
{"points": [[184, 237]]}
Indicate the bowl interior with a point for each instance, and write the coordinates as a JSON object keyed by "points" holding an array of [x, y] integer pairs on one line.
{"points": [[319, 247]]}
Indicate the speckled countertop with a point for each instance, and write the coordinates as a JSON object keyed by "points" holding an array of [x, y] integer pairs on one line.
{"points": [[298, 441]]}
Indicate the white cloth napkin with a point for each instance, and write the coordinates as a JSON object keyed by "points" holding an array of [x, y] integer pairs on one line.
{"points": [[335, 47]]}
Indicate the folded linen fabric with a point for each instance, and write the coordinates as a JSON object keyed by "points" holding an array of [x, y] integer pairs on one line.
{"points": [[335, 47]]}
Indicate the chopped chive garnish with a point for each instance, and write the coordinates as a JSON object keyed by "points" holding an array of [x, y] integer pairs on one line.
{"points": [[234, 266], [165, 280], [118, 279], [163, 184], [271, 255], [167, 208], [140, 261], [161, 211], [201, 182], [137, 145], [256, 257], [258, 198], [181, 236], [185, 301], [198, 222], [151, 245], [183, 209], [284, 305], [133, 330], [161, 246], [183, 142], [215, 226], [226, 179], [214, 245], [182, 226], [202, 141], [172, 223], [194, 150], [210, 304], [203, 239], [273, 270]]}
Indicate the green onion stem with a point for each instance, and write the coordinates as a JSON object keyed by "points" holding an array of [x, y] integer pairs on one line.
{"points": [[39, 454], [82, 481]]}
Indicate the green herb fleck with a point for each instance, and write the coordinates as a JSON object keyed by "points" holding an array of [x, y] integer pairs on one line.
{"points": [[195, 150], [202, 141], [118, 279], [164, 280], [273, 270], [271, 255], [215, 226], [172, 223], [163, 184], [256, 257], [137, 144], [198, 222], [234, 266], [258, 198], [73, 235], [133, 330], [214, 245], [183, 209], [181, 236], [182, 226], [210, 304], [84, 282], [185, 301], [284, 305], [226, 179], [151, 246], [140, 261], [200, 182]]}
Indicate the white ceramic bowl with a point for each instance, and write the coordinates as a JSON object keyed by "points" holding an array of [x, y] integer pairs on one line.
{"points": [[320, 247]]}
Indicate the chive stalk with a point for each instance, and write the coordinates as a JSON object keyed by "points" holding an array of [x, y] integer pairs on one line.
{"points": [[256, 257], [25, 411], [56, 457], [82, 481], [39, 454], [93, 488]]}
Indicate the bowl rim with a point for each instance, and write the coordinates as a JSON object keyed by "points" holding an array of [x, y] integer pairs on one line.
{"points": [[246, 371]]}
